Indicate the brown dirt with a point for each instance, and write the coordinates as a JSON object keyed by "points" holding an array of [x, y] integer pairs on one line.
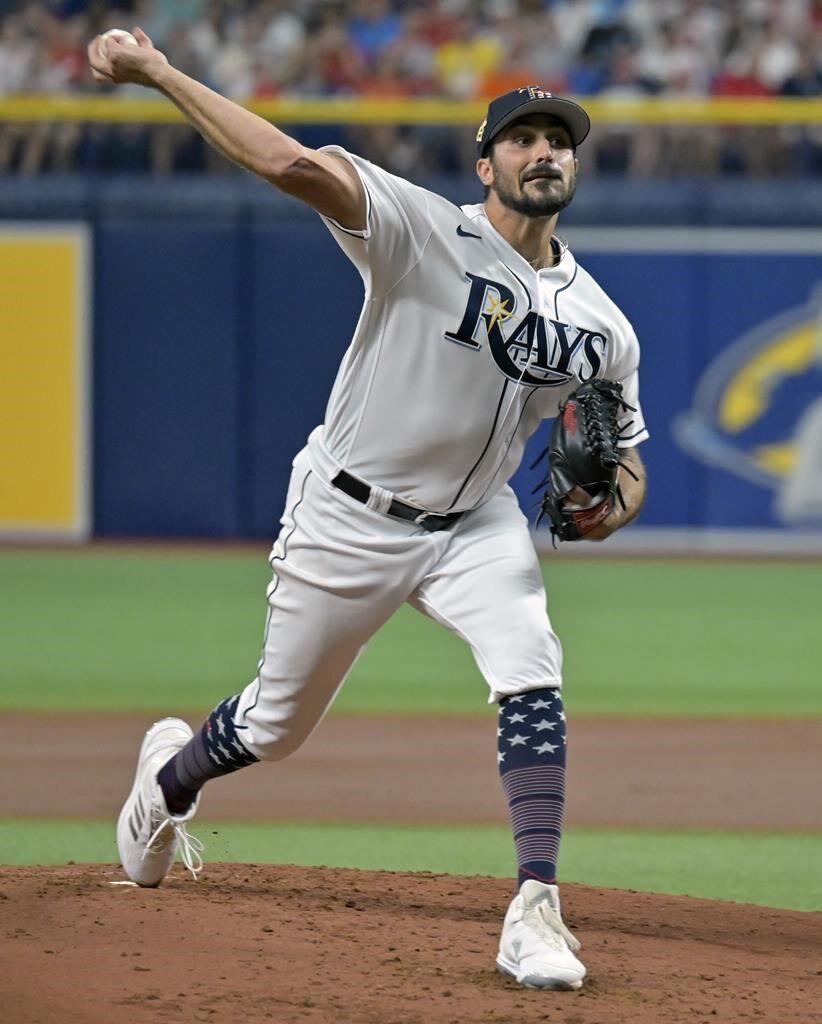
{"points": [[260, 944], [668, 773], [284, 944]]}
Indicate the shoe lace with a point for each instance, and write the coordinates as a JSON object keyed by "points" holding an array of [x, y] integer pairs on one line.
{"points": [[551, 925], [190, 846]]}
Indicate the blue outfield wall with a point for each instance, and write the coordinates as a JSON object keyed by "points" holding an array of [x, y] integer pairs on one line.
{"points": [[220, 315], [216, 346], [731, 366]]}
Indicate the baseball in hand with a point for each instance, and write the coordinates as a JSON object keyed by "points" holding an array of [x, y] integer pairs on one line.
{"points": [[121, 36]]}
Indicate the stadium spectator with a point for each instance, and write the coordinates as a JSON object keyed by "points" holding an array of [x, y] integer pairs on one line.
{"points": [[462, 49], [806, 81], [373, 26], [17, 54], [467, 58]]}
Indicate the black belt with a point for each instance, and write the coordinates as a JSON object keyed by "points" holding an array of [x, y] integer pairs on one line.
{"points": [[360, 491]]}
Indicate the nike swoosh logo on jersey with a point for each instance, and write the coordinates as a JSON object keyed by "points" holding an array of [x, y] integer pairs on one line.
{"points": [[465, 234]]}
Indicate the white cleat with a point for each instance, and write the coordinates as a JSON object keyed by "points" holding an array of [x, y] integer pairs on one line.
{"points": [[148, 835], [536, 948]]}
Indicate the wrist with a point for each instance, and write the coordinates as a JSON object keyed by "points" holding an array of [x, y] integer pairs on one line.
{"points": [[161, 75]]}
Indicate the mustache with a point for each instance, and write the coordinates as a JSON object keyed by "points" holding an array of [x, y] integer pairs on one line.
{"points": [[545, 173]]}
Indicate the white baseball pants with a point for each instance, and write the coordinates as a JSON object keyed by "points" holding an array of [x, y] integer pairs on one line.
{"points": [[342, 569]]}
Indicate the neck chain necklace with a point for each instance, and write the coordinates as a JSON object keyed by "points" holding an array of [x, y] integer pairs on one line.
{"points": [[557, 249]]}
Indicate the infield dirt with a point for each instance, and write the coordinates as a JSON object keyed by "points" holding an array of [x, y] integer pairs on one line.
{"points": [[280, 944], [284, 944]]}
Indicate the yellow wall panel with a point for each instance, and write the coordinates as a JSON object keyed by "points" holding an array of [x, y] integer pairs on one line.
{"points": [[43, 381]]}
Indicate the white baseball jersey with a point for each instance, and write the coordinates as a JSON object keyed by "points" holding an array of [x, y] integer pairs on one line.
{"points": [[461, 349]]}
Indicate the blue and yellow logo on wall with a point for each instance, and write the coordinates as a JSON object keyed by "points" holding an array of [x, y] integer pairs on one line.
{"points": [[757, 411]]}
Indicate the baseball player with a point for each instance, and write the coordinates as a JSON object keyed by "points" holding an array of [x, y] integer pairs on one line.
{"points": [[477, 323]]}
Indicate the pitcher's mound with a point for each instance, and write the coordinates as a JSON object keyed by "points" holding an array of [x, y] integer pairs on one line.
{"points": [[269, 943]]}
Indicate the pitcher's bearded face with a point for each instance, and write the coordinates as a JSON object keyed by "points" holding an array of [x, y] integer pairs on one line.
{"points": [[533, 166]]}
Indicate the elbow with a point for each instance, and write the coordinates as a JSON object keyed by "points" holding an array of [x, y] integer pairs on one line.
{"points": [[289, 172]]}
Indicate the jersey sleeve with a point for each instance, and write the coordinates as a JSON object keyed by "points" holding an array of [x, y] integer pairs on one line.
{"points": [[625, 370], [398, 226]]}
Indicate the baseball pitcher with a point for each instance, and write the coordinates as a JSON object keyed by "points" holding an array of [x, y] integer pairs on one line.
{"points": [[477, 324]]}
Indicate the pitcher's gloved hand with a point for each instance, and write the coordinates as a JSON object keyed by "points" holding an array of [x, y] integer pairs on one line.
{"points": [[583, 461]]}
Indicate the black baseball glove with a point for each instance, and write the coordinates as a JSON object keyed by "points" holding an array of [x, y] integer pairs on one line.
{"points": [[583, 453]]}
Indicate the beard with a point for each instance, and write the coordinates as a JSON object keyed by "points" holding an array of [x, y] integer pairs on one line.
{"points": [[535, 205]]}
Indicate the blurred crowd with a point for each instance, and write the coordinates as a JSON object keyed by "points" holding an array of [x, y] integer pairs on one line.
{"points": [[464, 49]]}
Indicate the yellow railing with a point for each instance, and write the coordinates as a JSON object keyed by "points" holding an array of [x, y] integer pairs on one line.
{"points": [[153, 110]]}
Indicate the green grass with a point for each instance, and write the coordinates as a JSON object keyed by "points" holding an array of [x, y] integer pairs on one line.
{"points": [[772, 870], [162, 631]]}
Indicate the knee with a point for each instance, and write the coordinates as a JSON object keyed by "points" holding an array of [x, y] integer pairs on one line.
{"points": [[274, 724], [273, 741]]}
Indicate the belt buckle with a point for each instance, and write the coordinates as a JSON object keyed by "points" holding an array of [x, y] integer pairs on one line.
{"points": [[423, 516]]}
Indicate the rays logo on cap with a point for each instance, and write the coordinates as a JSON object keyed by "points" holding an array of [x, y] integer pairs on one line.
{"points": [[535, 93], [481, 130]]}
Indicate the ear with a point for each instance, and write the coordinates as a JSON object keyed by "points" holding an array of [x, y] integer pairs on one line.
{"points": [[485, 172]]}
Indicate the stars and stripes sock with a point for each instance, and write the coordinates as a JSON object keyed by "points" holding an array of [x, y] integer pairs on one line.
{"points": [[531, 756], [213, 751]]}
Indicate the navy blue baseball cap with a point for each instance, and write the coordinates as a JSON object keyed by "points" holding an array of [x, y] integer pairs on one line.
{"points": [[531, 99]]}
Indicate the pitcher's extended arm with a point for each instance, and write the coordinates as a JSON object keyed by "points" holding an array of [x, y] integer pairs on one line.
{"points": [[327, 183]]}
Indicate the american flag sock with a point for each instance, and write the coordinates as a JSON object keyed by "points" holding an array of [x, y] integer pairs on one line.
{"points": [[213, 751], [531, 756]]}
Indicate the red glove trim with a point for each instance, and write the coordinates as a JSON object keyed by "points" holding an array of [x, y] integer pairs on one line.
{"points": [[587, 519]]}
